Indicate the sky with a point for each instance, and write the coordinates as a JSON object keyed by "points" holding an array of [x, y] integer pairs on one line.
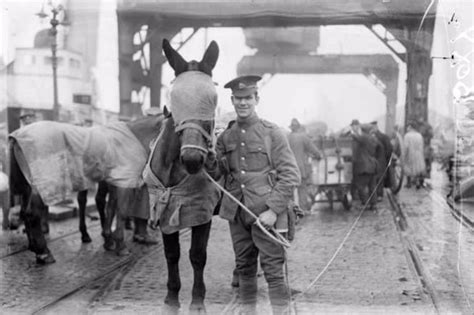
{"points": [[335, 99]]}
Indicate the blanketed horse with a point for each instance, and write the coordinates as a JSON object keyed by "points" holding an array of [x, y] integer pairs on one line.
{"points": [[51, 160], [183, 196]]}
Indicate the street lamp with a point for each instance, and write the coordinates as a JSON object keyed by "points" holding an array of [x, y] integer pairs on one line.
{"points": [[55, 10]]}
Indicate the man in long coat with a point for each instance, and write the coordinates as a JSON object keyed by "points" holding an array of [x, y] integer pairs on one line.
{"points": [[364, 164], [303, 148], [384, 158], [413, 158]]}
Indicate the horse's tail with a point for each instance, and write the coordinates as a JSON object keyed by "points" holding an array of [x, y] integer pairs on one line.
{"points": [[18, 182]]}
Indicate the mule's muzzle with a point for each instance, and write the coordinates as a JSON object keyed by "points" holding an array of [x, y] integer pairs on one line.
{"points": [[193, 160]]}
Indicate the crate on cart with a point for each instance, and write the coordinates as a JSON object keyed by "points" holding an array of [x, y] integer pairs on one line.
{"points": [[332, 175]]}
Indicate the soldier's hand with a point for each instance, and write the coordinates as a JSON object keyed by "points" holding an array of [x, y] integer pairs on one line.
{"points": [[268, 218]]}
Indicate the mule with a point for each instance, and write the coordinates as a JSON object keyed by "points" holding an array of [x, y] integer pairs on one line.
{"points": [[95, 162], [184, 197]]}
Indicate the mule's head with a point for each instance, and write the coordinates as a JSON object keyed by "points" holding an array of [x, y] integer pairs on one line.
{"points": [[193, 100]]}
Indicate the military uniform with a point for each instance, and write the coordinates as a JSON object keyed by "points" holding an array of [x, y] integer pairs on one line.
{"points": [[260, 170]]}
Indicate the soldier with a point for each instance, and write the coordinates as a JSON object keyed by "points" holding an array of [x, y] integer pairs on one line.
{"points": [[384, 159], [260, 170], [303, 148], [364, 164]]}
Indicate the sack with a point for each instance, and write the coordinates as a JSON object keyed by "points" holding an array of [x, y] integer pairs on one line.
{"points": [[3, 182]]}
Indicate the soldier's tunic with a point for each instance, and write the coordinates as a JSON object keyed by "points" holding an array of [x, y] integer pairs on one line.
{"points": [[261, 171]]}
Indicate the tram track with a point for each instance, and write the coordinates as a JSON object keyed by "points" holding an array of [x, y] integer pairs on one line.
{"points": [[412, 252], [24, 248], [454, 211], [109, 280]]}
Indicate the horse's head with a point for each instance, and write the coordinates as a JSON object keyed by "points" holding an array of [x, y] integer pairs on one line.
{"points": [[193, 100]]}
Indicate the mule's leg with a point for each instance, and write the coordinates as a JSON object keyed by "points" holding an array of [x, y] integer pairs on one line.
{"points": [[124, 195], [100, 202], [198, 257], [32, 206], [82, 202], [109, 243], [172, 253]]}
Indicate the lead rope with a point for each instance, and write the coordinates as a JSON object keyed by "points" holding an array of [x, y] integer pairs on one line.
{"points": [[293, 302], [276, 237]]}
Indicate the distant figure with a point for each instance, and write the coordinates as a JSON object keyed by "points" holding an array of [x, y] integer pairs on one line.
{"points": [[27, 118], [364, 164], [303, 148], [413, 159], [397, 141], [384, 158], [426, 132]]}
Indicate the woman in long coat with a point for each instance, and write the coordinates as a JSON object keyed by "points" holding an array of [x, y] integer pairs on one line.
{"points": [[413, 157]]}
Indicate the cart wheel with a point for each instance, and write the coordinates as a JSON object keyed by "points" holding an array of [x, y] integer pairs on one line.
{"points": [[347, 201], [396, 176], [330, 199]]}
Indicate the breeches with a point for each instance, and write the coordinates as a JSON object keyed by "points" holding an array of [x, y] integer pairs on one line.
{"points": [[249, 241]]}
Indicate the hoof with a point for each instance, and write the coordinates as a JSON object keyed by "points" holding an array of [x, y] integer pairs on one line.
{"points": [[45, 259], [124, 251], [109, 244], [168, 309], [145, 239], [197, 308], [86, 238]]}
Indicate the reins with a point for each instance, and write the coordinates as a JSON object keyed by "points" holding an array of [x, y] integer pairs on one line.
{"points": [[276, 237]]}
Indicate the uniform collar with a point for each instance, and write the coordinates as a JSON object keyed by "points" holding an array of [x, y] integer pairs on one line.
{"points": [[247, 122]]}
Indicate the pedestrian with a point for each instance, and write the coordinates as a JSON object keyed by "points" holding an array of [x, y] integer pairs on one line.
{"points": [[426, 131], [260, 170], [413, 159], [27, 118], [303, 149], [364, 164], [383, 159]]}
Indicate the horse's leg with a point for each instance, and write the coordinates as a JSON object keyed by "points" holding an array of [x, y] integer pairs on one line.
{"points": [[198, 257], [110, 209], [124, 195], [172, 253], [32, 206], [100, 202], [82, 202]]}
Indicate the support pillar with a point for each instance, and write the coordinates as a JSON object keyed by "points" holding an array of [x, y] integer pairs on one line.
{"points": [[158, 32], [126, 30], [419, 68]]}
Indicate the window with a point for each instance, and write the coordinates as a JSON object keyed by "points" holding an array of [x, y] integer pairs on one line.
{"points": [[74, 63], [29, 60], [49, 60]]}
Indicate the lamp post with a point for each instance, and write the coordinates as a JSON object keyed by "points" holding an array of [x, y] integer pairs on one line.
{"points": [[55, 10]]}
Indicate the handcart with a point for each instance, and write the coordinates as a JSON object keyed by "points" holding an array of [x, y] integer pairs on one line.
{"points": [[332, 175]]}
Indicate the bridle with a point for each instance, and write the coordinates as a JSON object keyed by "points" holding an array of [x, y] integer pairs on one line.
{"points": [[207, 136]]}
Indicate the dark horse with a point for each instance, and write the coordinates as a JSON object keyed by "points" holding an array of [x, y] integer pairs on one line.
{"points": [[33, 204], [184, 197]]}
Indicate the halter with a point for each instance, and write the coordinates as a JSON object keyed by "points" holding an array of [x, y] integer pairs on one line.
{"points": [[203, 132]]}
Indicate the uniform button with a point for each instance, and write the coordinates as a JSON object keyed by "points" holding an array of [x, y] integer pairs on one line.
{"points": [[242, 144], [259, 149], [242, 158], [243, 130], [242, 172], [242, 186]]}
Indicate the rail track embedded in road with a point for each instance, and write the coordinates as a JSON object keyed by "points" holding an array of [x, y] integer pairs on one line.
{"points": [[412, 253], [116, 273], [50, 240]]}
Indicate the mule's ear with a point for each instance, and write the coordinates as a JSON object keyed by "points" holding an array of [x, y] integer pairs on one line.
{"points": [[175, 60], [209, 59], [166, 112]]}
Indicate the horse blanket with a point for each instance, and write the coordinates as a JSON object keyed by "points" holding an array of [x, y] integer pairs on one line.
{"points": [[59, 158]]}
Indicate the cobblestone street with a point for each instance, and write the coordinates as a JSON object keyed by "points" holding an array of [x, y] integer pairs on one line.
{"points": [[373, 271]]}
